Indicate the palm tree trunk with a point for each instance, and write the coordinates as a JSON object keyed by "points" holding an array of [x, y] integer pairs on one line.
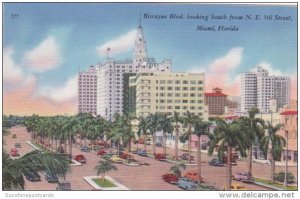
{"points": [[190, 148], [229, 168], [165, 143], [55, 145], [176, 142], [199, 159], [250, 160], [85, 141], [80, 140], [70, 146], [154, 140], [65, 145], [272, 169], [119, 148], [145, 142]]}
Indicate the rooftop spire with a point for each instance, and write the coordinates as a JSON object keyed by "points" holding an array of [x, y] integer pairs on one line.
{"points": [[140, 22]]}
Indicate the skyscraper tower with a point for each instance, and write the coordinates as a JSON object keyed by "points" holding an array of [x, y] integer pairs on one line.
{"points": [[140, 52]]}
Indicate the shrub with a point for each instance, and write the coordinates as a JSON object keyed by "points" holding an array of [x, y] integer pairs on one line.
{"points": [[280, 177]]}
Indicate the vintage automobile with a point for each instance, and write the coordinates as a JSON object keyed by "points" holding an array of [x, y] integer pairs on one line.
{"points": [[235, 187], [126, 156], [170, 178], [216, 162], [243, 177], [51, 178], [14, 152], [159, 156], [187, 184], [185, 156], [192, 175], [63, 186], [80, 158], [85, 149], [142, 152], [18, 145], [101, 152], [32, 176]]}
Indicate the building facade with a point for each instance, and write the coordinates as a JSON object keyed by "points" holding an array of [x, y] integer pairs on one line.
{"points": [[216, 102], [168, 92], [87, 91], [257, 89]]}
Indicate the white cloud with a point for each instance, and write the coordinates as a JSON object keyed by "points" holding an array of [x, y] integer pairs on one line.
{"points": [[118, 45], [12, 73], [43, 57], [268, 67], [228, 62], [68, 91]]}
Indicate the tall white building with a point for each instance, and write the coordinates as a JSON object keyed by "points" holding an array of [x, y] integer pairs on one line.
{"points": [[257, 89], [111, 73], [87, 91]]}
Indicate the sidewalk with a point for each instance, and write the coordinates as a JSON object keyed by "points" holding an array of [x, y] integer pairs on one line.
{"points": [[281, 164]]}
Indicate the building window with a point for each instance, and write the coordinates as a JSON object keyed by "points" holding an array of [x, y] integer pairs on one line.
{"points": [[185, 82]]}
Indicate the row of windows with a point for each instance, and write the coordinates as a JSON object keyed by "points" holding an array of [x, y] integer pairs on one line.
{"points": [[178, 101], [177, 88], [178, 82], [179, 94]]}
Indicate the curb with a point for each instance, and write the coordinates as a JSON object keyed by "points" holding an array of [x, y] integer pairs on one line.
{"points": [[269, 186], [119, 186]]}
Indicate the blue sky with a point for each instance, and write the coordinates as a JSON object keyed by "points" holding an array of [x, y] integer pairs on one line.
{"points": [[74, 31]]}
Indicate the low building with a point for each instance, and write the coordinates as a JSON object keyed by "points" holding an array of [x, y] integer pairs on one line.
{"points": [[216, 102]]}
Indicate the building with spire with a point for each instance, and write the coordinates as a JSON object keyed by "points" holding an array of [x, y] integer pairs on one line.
{"points": [[113, 78]]}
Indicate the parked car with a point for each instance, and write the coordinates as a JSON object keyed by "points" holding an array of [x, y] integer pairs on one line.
{"points": [[159, 156], [51, 178], [185, 156], [14, 152], [216, 162], [243, 177], [192, 175], [85, 149], [14, 135], [102, 152], [80, 158], [158, 144], [63, 186], [236, 187], [170, 178], [126, 156], [18, 145], [142, 152], [187, 184], [116, 159], [104, 144], [32, 176]]}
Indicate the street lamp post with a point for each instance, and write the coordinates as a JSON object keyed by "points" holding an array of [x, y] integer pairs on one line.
{"points": [[286, 158]]}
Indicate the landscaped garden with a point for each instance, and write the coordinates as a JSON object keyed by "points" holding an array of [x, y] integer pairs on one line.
{"points": [[103, 182]]}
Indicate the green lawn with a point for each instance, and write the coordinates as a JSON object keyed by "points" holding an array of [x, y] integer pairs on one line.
{"points": [[281, 186], [104, 183]]}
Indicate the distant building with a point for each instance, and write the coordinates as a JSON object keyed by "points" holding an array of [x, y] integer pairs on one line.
{"points": [[216, 102], [258, 88], [87, 91]]}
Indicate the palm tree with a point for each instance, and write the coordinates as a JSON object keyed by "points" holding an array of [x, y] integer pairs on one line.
{"points": [[272, 145], [13, 170], [142, 130], [226, 137], [165, 125], [103, 167], [152, 121], [177, 119], [201, 128], [72, 127], [188, 122], [177, 169], [253, 129]]}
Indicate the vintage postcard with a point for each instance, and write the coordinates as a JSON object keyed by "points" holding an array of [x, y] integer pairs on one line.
{"points": [[150, 96]]}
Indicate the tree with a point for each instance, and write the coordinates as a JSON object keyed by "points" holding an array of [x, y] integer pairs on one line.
{"points": [[103, 167], [253, 130], [72, 127], [226, 137], [177, 169], [165, 125], [201, 128], [188, 122], [272, 146], [142, 130], [13, 170], [152, 122], [176, 119]]}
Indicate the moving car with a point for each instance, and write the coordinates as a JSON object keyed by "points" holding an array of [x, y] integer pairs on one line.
{"points": [[18, 145], [243, 177], [116, 159], [14, 152], [159, 156], [216, 162], [85, 149], [193, 175], [185, 156], [170, 178], [32, 176], [63, 186], [51, 178], [80, 158], [187, 184], [142, 152]]}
